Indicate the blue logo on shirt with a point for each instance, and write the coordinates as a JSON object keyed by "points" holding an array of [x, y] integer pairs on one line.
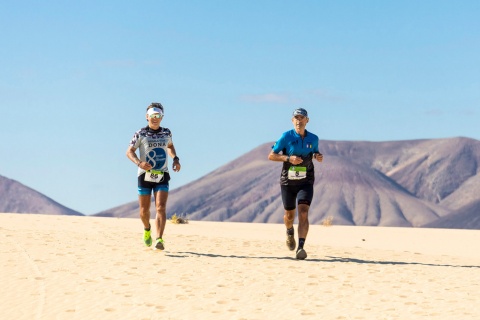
{"points": [[157, 158]]}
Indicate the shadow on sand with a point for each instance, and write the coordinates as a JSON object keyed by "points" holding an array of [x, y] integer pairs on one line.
{"points": [[328, 259]]}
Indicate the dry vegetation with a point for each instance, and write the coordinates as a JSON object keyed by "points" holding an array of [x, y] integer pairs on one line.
{"points": [[178, 220], [328, 221]]}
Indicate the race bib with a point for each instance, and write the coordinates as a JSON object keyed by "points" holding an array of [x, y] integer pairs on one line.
{"points": [[154, 176], [297, 173]]}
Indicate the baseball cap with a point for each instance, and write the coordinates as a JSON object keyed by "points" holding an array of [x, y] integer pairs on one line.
{"points": [[300, 112], [155, 110]]}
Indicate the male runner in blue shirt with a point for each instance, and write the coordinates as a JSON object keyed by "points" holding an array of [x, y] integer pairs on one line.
{"points": [[297, 148]]}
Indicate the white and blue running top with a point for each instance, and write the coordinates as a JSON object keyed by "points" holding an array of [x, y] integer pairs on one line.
{"points": [[153, 147]]}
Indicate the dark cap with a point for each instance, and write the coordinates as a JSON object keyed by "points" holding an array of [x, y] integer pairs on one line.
{"points": [[300, 112]]}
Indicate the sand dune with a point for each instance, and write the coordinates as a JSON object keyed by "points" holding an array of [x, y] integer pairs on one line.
{"points": [[70, 267]]}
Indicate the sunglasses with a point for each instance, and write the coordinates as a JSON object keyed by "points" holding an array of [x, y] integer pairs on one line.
{"points": [[156, 115]]}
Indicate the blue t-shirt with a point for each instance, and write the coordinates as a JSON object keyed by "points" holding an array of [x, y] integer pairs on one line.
{"points": [[292, 144]]}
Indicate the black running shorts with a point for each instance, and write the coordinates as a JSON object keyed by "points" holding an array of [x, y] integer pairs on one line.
{"points": [[291, 194]]}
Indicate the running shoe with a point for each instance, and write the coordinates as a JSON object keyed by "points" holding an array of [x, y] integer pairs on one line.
{"points": [[160, 244], [147, 238], [301, 254], [291, 244]]}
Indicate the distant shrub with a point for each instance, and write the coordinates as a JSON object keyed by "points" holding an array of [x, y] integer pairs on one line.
{"points": [[178, 220], [328, 221]]}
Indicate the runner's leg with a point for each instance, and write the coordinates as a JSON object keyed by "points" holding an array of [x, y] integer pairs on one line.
{"points": [[144, 203], [161, 208], [303, 223], [288, 218], [305, 196], [289, 196]]}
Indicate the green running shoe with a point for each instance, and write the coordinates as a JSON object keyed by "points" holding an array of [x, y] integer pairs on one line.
{"points": [[147, 238], [160, 244]]}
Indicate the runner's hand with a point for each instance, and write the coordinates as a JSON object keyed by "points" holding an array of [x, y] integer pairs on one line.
{"points": [[176, 166], [295, 160], [318, 157], [145, 166]]}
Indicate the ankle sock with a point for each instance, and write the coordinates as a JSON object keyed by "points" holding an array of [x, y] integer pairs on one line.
{"points": [[301, 242], [290, 231]]}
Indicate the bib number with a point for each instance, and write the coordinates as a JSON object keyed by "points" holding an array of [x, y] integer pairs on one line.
{"points": [[154, 176], [297, 173]]}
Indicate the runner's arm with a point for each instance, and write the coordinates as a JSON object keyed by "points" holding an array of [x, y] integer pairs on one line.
{"points": [[171, 150], [133, 156], [173, 153], [278, 157], [284, 158]]}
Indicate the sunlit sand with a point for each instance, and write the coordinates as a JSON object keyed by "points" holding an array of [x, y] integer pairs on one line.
{"points": [[65, 267]]}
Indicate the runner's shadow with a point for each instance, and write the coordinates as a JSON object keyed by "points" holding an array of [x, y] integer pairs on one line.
{"points": [[329, 259], [360, 261], [187, 253]]}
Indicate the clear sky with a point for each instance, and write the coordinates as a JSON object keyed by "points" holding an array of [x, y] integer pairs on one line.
{"points": [[76, 77]]}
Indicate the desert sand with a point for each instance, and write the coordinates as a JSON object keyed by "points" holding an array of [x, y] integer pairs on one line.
{"points": [[68, 267]]}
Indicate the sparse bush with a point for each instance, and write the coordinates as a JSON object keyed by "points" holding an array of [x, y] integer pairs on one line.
{"points": [[178, 220], [328, 221]]}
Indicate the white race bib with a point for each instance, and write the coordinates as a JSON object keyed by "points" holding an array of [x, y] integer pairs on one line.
{"points": [[297, 173], [154, 176]]}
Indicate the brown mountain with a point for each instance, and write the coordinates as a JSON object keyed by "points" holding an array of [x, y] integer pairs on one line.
{"points": [[395, 183], [18, 198]]}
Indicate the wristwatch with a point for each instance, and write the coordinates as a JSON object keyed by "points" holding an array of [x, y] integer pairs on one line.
{"points": [[176, 158]]}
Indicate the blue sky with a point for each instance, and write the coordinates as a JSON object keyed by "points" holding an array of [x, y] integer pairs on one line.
{"points": [[76, 78]]}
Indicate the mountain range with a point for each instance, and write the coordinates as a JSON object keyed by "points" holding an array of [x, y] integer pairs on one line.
{"points": [[18, 198], [413, 183]]}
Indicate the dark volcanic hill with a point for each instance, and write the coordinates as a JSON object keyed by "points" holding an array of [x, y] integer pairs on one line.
{"points": [[395, 183], [18, 198]]}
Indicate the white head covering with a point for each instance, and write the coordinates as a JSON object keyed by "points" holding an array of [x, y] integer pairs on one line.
{"points": [[154, 110]]}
